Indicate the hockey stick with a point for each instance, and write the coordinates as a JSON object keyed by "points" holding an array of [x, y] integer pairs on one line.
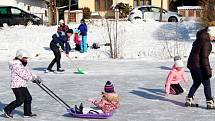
{"points": [[53, 95], [79, 70]]}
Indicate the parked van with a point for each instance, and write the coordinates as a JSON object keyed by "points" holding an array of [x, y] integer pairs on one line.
{"points": [[15, 16]]}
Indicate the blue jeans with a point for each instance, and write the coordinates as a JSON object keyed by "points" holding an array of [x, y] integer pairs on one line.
{"points": [[84, 44], [197, 81]]}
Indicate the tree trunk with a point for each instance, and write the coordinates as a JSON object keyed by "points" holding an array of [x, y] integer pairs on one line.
{"points": [[138, 3]]}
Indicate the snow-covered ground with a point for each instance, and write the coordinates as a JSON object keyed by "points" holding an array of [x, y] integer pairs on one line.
{"points": [[136, 40], [138, 76]]}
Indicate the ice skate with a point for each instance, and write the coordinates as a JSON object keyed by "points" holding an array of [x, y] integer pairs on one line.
{"points": [[210, 104], [190, 102]]}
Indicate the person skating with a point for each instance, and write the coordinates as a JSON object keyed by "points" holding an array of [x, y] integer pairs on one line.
{"points": [[83, 32], [176, 75], [57, 46], [19, 77], [199, 65]]}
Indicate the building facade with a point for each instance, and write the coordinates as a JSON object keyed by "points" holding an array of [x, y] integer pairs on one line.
{"points": [[104, 5]]}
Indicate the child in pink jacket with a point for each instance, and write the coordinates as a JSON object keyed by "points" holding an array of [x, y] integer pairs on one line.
{"points": [[176, 75], [109, 101], [77, 39], [19, 77]]}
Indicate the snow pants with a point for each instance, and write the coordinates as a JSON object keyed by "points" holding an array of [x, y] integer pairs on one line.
{"points": [[176, 89], [197, 76], [84, 44], [57, 55], [22, 96]]}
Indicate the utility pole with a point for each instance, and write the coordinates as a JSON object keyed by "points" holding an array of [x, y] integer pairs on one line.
{"points": [[138, 2], [161, 10], [53, 11], [69, 12]]}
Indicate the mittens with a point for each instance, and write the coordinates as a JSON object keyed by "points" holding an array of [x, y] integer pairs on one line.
{"points": [[37, 80]]}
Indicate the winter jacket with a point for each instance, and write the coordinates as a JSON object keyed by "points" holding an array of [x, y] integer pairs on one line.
{"points": [[77, 39], [83, 29], [174, 77], [19, 74], [60, 39], [63, 28], [199, 55], [108, 103]]}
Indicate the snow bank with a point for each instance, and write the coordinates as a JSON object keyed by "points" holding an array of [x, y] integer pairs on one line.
{"points": [[136, 40]]}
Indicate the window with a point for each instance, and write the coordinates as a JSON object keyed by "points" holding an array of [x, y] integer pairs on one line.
{"points": [[46, 14], [29, 8], [103, 5], [142, 2], [144, 9], [3, 11], [155, 9], [15, 11]]}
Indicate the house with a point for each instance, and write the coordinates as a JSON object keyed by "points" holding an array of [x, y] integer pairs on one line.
{"points": [[37, 7], [190, 12], [101, 6]]}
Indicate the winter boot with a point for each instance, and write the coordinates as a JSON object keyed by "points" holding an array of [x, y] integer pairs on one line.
{"points": [[81, 108], [7, 114], [190, 102], [210, 104], [29, 116], [60, 70], [77, 110]]}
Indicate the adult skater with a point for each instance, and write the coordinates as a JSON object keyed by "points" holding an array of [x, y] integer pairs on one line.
{"points": [[199, 65], [19, 77], [57, 46], [62, 27]]}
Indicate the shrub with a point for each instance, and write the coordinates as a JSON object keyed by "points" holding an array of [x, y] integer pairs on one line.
{"points": [[86, 13], [123, 9], [208, 16]]}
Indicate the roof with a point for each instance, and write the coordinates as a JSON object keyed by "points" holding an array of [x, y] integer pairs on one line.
{"points": [[189, 7]]}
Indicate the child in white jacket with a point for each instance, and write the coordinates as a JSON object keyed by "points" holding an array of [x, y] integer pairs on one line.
{"points": [[19, 76]]}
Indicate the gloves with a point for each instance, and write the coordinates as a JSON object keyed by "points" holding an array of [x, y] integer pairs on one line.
{"points": [[37, 80], [206, 74], [206, 77], [91, 100]]}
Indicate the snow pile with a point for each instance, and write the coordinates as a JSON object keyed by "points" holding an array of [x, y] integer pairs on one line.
{"points": [[136, 40]]}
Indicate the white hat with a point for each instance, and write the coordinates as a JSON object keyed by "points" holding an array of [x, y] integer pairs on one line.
{"points": [[61, 21], [22, 53], [211, 31], [179, 63]]}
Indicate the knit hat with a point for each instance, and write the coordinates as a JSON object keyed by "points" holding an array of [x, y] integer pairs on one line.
{"points": [[177, 58], [69, 31], [83, 20], [211, 31], [61, 21], [179, 63], [109, 88]]}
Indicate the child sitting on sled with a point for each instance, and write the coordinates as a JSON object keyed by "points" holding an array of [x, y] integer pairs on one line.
{"points": [[108, 103], [176, 75]]}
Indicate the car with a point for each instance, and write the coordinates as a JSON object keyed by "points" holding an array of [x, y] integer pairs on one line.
{"points": [[16, 16], [152, 12]]}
